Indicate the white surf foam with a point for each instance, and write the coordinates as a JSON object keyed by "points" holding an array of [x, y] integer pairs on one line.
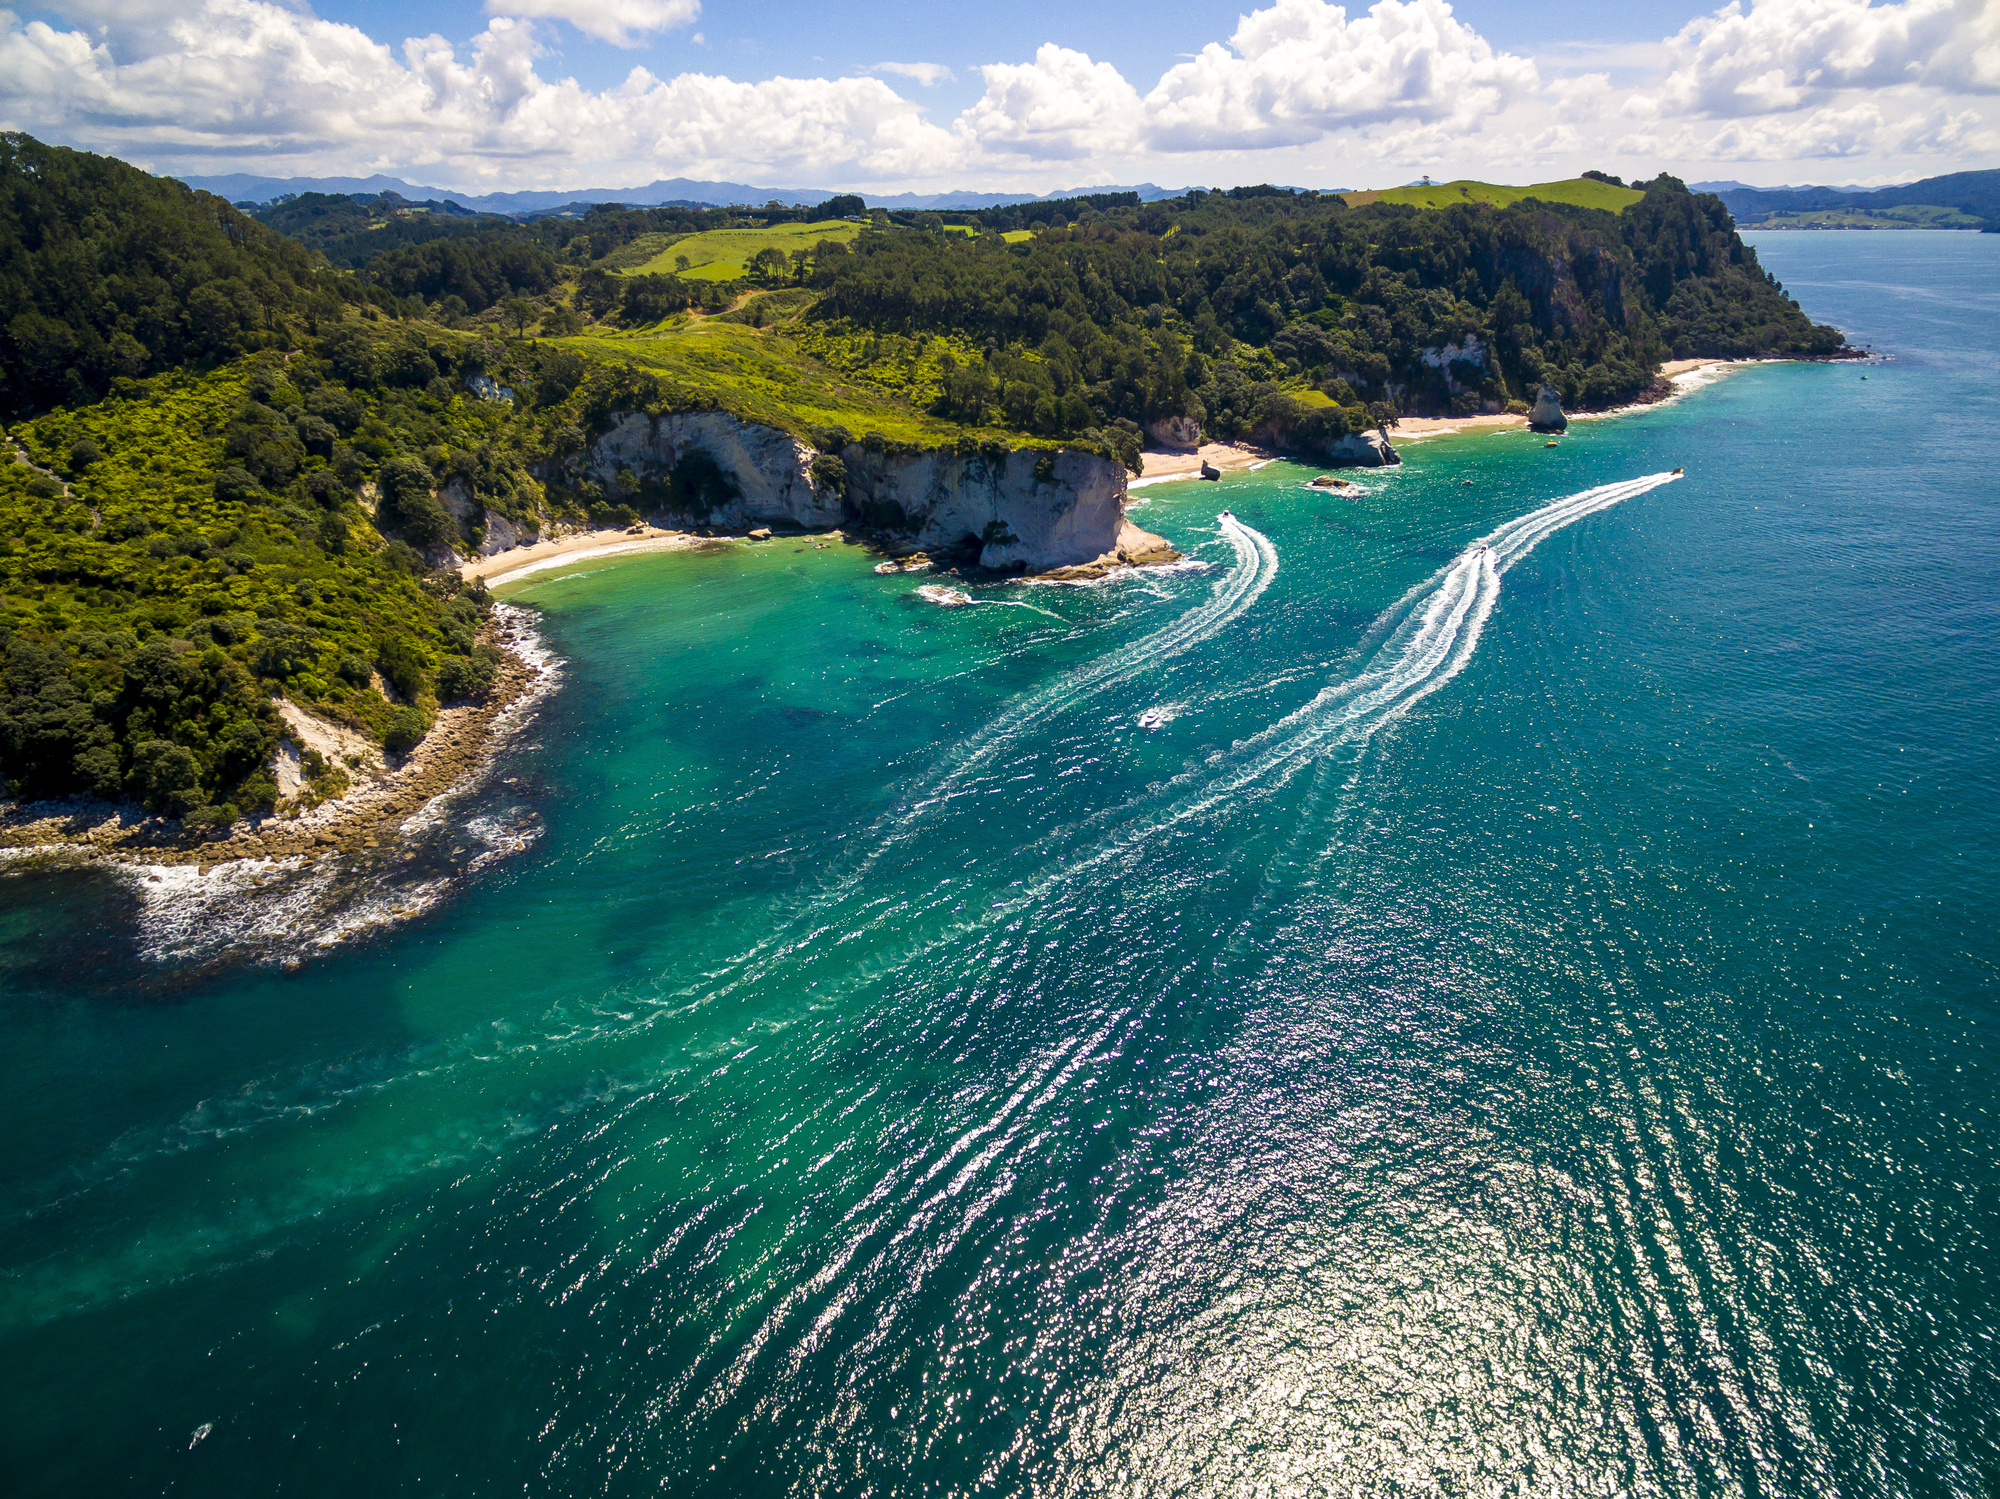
{"points": [[284, 910]]}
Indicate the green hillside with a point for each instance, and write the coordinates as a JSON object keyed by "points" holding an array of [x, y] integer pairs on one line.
{"points": [[247, 471], [767, 364], [1939, 203], [1904, 216], [1578, 192], [725, 254]]}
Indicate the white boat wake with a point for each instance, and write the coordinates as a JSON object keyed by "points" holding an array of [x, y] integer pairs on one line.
{"points": [[825, 913], [1427, 637], [1255, 566]]}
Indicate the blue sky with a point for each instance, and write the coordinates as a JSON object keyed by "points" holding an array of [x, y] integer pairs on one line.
{"points": [[802, 40], [1037, 95]]}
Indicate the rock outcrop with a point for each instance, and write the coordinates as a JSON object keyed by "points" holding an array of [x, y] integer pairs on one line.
{"points": [[502, 535], [1032, 510], [1548, 413], [1175, 431], [1363, 450]]}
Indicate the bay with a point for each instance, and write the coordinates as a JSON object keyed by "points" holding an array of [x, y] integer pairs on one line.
{"points": [[1353, 1014]]}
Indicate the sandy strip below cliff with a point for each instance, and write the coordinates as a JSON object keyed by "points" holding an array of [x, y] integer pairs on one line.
{"points": [[1164, 464], [1673, 369], [1417, 428], [579, 546]]}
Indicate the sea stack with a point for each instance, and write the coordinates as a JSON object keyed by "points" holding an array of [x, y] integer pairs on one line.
{"points": [[1548, 413]]}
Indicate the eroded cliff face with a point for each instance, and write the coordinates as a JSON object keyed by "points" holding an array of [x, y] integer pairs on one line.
{"points": [[767, 474], [1029, 510], [1032, 510]]}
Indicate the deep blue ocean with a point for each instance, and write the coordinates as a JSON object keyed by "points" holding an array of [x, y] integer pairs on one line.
{"points": [[1483, 985]]}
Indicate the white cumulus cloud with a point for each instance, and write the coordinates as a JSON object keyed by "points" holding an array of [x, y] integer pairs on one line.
{"points": [[1782, 55], [1847, 131], [1302, 91], [1059, 107], [1301, 69], [265, 84]]}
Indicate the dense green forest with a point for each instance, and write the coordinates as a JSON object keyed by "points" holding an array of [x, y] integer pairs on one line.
{"points": [[242, 460], [1215, 305], [352, 229], [246, 505]]}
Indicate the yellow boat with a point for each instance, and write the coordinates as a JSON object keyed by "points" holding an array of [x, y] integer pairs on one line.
{"points": [[1548, 444], [1680, 470]]}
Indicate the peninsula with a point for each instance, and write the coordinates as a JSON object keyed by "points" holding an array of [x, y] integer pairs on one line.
{"points": [[250, 457]]}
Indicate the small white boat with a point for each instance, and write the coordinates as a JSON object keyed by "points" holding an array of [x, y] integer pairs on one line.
{"points": [[1152, 718]]}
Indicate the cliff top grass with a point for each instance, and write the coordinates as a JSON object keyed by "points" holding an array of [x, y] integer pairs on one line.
{"points": [[768, 376], [1581, 192], [724, 254]]}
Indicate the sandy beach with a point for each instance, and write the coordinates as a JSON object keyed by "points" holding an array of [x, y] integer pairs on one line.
{"points": [[1681, 373], [1164, 464], [1675, 368], [1416, 428], [577, 546]]}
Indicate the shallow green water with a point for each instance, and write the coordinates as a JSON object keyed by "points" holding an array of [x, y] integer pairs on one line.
{"points": [[1513, 1022]]}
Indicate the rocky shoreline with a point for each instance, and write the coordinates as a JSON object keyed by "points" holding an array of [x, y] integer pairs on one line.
{"points": [[458, 748]]}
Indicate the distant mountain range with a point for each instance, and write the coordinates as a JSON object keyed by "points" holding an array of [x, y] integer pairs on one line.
{"points": [[1782, 187], [241, 187], [1973, 193]]}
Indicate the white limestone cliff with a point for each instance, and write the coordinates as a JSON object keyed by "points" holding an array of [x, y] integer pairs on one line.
{"points": [[1030, 509]]}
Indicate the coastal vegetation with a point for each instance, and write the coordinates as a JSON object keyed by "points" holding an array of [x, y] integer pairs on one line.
{"points": [[244, 462]]}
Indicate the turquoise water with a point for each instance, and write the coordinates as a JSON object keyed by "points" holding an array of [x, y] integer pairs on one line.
{"points": [[1509, 1021]]}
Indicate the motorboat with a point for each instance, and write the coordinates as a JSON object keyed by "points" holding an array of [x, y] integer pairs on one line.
{"points": [[1225, 516], [1680, 471]]}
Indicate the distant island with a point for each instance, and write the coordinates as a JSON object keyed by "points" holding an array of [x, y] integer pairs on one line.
{"points": [[1960, 200], [248, 455]]}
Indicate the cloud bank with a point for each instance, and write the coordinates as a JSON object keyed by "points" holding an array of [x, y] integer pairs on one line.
{"points": [[1301, 91]]}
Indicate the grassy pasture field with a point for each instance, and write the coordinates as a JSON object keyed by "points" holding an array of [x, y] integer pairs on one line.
{"points": [[1584, 192], [724, 254], [1016, 236]]}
